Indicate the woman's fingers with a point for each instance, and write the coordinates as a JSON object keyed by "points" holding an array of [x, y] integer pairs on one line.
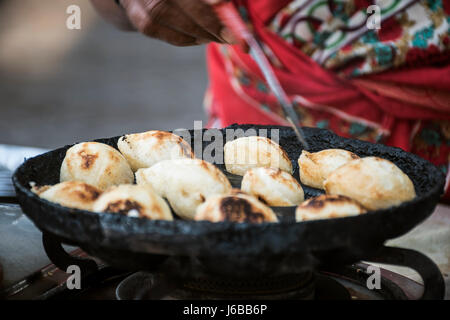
{"points": [[176, 19], [137, 13], [179, 22], [143, 16], [176, 38], [202, 12]]}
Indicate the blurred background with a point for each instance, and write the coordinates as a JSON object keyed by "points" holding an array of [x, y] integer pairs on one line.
{"points": [[60, 86]]}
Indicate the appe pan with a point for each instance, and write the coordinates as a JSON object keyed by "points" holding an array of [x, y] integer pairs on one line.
{"points": [[234, 249]]}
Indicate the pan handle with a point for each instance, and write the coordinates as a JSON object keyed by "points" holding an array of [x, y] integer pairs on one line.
{"points": [[60, 258], [434, 285]]}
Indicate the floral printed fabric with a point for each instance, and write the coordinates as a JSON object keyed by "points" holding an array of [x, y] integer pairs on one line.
{"points": [[334, 33]]}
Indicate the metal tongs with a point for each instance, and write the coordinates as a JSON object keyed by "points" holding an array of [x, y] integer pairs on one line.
{"points": [[230, 17]]}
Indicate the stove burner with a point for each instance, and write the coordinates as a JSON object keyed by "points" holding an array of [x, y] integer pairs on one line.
{"points": [[349, 283], [297, 286]]}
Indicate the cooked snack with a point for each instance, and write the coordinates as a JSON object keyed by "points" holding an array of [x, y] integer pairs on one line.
{"points": [[236, 207], [327, 207], [133, 201], [96, 164], [273, 186], [72, 194], [185, 183], [142, 150], [374, 182], [316, 167], [252, 152]]}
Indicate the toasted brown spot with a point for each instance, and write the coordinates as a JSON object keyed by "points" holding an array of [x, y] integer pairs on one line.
{"points": [[354, 156], [216, 173], [336, 198], [276, 145], [261, 198], [202, 198], [108, 171], [274, 173], [114, 157], [88, 193], [279, 175], [285, 155], [239, 210], [160, 135], [356, 166], [314, 203], [205, 165], [334, 215], [124, 206], [87, 159], [186, 148], [156, 209], [319, 202], [40, 189]]}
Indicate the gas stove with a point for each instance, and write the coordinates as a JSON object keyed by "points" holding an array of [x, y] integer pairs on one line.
{"points": [[350, 283], [102, 282]]}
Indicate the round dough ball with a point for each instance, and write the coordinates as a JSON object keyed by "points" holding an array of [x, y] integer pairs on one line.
{"points": [[72, 194], [374, 182], [237, 207], [252, 152], [185, 183], [96, 164], [314, 168], [142, 150], [133, 201], [273, 187], [327, 207]]}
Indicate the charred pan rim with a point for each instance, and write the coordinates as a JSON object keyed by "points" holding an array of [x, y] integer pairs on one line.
{"points": [[142, 235]]}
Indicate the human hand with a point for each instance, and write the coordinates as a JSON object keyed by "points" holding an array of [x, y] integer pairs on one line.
{"points": [[178, 22]]}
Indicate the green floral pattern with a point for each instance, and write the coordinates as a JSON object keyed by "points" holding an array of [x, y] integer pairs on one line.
{"points": [[405, 25]]}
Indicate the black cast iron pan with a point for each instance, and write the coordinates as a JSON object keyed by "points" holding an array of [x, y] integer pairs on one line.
{"points": [[228, 248]]}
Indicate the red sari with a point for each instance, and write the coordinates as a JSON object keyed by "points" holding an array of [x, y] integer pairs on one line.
{"points": [[400, 106]]}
